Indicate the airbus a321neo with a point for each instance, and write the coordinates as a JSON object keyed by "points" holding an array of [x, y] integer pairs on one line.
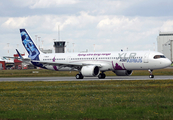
{"points": [[94, 64]]}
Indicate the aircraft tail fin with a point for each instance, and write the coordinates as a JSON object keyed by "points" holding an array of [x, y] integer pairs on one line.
{"points": [[21, 57], [19, 54], [29, 45]]}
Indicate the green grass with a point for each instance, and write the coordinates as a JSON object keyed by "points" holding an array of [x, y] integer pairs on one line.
{"points": [[29, 73], [47, 73], [132, 100]]}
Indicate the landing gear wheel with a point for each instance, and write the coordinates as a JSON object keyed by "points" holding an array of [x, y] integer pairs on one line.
{"points": [[151, 74], [101, 76], [79, 76]]}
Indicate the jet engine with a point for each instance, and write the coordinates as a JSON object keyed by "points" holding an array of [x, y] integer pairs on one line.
{"points": [[90, 71], [123, 72]]}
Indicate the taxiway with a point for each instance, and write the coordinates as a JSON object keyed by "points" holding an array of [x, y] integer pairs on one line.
{"points": [[86, 78]]}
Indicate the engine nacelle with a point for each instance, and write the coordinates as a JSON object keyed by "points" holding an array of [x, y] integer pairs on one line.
{"points": [[90, 71], [123, 72]]}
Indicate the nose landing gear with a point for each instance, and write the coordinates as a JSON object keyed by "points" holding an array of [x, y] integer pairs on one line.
{"points": [[151, 74]]}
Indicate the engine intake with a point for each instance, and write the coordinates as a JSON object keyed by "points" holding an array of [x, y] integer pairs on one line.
{"points": [[123, 72], [90, 71]]}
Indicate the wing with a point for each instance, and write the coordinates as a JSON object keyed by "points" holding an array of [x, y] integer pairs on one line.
{"points": [[65, 64]]}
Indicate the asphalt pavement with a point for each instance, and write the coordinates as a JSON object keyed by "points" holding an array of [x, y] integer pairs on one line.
{"points": [[87, 78]]}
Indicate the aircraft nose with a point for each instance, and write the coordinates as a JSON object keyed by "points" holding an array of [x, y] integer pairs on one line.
{"points": [[168, 62]]}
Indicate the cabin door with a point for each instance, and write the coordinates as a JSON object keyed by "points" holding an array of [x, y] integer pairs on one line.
{"points": [[146, 57], [68, 59]]}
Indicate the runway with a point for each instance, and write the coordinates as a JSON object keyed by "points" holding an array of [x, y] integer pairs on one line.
{"points": [[87, 78]]}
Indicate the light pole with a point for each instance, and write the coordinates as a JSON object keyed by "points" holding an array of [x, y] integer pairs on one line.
{"points": [[94, 47], [73, 47], [8, 47], [36, 39], [39, 42]]}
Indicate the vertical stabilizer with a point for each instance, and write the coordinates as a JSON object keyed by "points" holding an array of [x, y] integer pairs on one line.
{"points": [[29, 45]]}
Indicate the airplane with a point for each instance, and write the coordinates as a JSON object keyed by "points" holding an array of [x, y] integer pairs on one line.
{"points": [[94, 64], [25, 60], [7, 59]]}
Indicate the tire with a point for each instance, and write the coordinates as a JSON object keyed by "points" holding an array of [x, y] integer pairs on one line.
{"points": [[151, 76], [79, 76], [101, 76]]}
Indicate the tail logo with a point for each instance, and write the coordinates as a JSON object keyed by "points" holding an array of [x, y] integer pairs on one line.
{"points": [[55, 68], [29, 45]]}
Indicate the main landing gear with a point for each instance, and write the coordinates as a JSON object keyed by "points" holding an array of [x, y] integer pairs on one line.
{"points": [[151, 74], [79, 76], [101, 76]]}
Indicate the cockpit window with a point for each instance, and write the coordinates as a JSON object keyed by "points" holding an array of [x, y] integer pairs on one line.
{"points": [[159, 56]]}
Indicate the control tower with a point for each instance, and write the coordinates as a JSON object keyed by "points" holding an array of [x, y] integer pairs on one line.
{"points": [[59, 46]]}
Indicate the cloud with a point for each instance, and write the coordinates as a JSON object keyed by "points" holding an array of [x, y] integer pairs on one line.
{"points": [[109, 24], [167, 26], [74, 7], [119, 22], [80, 21], [149, 8], [51, 3], [50, 22], [15, 22]]}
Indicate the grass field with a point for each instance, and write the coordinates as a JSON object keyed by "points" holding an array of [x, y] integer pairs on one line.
{"points": [[47, 73], [87, 100]]}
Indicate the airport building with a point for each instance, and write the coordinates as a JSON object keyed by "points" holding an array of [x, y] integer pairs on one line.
{"points": [[2, 65], [59, 46], [165, 45], [17, 62]]}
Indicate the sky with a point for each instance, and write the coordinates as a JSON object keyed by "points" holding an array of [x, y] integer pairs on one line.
{"points": [[93, 25]]}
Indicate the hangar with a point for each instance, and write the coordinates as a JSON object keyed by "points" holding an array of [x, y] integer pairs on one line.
{"points": [[165, 44]]}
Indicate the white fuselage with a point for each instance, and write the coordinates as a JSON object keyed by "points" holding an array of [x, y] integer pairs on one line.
{"points": [[127, 60]]}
